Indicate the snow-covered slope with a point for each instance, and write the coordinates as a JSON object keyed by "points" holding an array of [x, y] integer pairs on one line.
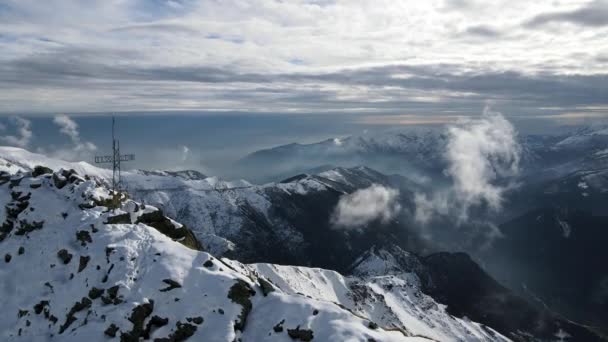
{"points": [[74, 269], [393, 300]]}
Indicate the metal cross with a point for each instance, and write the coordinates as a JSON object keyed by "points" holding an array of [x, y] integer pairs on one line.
{"points": [[115, 159]]}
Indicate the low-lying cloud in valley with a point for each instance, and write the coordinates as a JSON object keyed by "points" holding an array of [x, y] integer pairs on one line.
{"points": [[366, 205], [483, 156]]}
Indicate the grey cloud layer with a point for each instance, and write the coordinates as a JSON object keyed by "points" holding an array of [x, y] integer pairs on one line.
{"points": [[594, 14], [300, 56], [378, 89]]}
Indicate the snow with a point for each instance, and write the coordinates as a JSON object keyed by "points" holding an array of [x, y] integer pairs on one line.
{"points": [[138, 258], [389, 300]]}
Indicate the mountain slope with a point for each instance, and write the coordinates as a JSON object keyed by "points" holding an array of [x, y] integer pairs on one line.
{"points": [[81, 264], [556, 255]]}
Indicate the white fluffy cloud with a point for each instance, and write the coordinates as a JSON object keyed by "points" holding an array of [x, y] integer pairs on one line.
{"points": [[483, 155], [70, 128], [24, 132], [80, 150], [366, 205]]}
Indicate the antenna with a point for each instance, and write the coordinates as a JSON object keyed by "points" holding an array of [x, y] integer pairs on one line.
{"points": [[115, 159]]}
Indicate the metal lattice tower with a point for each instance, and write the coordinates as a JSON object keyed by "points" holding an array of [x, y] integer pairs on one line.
{"points": [[115, 159]]}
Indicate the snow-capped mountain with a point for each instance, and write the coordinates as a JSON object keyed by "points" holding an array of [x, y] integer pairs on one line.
{"points": [[416, 152], [80, 263], [420, 154]]}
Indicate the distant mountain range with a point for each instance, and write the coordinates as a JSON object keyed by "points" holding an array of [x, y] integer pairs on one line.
{"points": [[419, 154]]}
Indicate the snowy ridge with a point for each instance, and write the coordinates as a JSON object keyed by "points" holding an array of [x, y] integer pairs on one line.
{"points": [[94, 273], [394, 301]]}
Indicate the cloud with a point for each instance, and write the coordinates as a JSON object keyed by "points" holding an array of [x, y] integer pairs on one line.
{"points": [[24, 131], [480, 152], [483, 31], [105, 56], [366, 205], [483, 156], [79, 149], [185, 153], [593, 14]]}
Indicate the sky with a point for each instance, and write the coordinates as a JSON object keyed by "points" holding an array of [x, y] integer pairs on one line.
{"points": [[280, 71], [303, 56]]}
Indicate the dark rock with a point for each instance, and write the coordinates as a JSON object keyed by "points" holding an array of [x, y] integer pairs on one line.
{"points": [[84, 237], [27, 227], [315, 312], [138, 316], [278, 328], [112, 296], [19, 197], [119, 219], [7, 258], [15, 208], [40, 306], [47, 284], [41, 170], [59, 181], [111, 330], [78, 306], [300, 334], [240, 293], [157, 220], [95, 293], [64, 256], [109, 250], [196, 320], [266, 286], [86, 205], [372, 325], [21, 250], [15, 182], [154, 322], [208, 263], [172, 285], [84, 260], [182, 332], [22, 313]]}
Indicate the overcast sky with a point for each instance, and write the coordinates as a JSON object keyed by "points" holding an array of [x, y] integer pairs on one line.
{"points": [[379, 58]]}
